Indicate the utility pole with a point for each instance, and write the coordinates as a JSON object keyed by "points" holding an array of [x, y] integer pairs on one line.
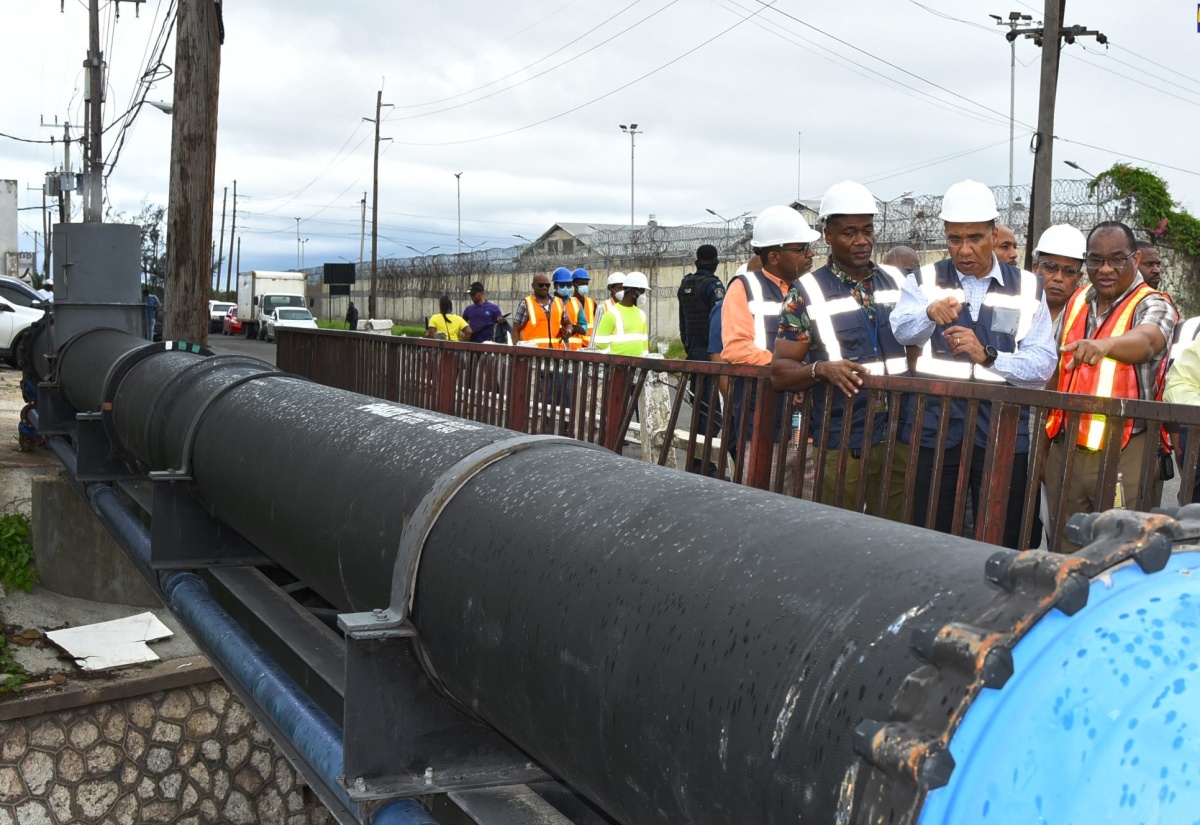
{"points": [[93, 179], [199, 32], [362, 231], [1043, 142], [458, 186], [66, 181], [632, 131], [371, 302], [297, 243], [239, 258], [1015, 18], [232, 234], [799, 162], [221, 252]]}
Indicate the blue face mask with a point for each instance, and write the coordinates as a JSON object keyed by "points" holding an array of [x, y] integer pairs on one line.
{"points": [[563, 291], [581, 289]]}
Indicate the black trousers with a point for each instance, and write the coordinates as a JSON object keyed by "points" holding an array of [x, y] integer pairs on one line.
{"points": [[948, 483]]}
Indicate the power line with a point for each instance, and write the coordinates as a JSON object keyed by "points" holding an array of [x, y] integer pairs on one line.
{"points": [[1135, 80], [1153, 63], [527, 66], [608, 94], [1124, 155], [25, 140]]}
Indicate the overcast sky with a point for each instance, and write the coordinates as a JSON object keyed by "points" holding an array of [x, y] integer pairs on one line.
{"points": [[741, 105]]}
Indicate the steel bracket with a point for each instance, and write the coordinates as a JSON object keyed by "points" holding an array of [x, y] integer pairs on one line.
{"points": [[98, 458], [56, 416], [184, 536]]}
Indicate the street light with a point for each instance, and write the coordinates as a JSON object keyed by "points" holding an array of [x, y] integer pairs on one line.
{"points": [[419, 252], [298, 243], [303, 249], [1076, 166], [632, 131], [1015, 18], [458, 186], [522, 237]]}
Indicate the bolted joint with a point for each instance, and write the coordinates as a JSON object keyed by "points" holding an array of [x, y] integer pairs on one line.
{"points": [[899, 752], [966, 649]]}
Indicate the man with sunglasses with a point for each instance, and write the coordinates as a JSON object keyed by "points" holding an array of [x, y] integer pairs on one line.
{"points": [[1059, 254], [833, 330], [975, 319], [1114, 345]]}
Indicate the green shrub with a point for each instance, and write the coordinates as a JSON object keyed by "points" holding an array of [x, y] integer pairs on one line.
{"points": [[16, 553]]}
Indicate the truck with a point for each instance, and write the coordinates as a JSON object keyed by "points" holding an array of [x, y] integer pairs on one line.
{"points": [[260, 293]]}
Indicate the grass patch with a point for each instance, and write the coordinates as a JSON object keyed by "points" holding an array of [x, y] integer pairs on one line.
{"points": [[677, 352], [16, 573], [411, 332]]}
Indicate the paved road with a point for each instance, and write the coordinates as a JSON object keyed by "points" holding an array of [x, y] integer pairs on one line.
{"points": [[240, 345]]}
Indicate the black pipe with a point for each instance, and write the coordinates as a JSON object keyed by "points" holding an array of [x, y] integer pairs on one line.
{"points": [[676, 648]]}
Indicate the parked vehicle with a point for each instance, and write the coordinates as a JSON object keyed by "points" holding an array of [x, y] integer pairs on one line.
{"points": [[216, 314], [260, 293], [19, 293], [231, 324], [289, 317], [15, 321]]}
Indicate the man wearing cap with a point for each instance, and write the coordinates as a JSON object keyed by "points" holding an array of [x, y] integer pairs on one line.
{"points": [[481, 315], [614, 283], [623, 331], [1114, 345], [834, 329], [47, 291], [1058, 260], [975, 319], [698, 293], [580, 308]]}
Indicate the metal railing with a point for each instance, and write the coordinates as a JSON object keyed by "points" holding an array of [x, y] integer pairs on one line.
{"points": [[727, 421]]}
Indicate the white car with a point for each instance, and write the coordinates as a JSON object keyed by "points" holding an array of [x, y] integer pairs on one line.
{"points": [[15, 321], [216, 314], [289, 318]]}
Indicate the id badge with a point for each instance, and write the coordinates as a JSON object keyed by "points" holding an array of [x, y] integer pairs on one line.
{"points": [[1005, 320]]}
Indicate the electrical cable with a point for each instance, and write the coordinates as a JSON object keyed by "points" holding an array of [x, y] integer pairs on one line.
{"points": [[608, 94], [1125, 155]]}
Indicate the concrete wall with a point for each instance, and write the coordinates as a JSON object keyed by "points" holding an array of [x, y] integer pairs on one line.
{"points": [[8, 223], [187, 755]]}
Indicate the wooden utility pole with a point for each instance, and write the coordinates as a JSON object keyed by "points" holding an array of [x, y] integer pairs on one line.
{"points": [[199, 32], [232, 234], [216, 287], [371, 302], [1042, 193]]}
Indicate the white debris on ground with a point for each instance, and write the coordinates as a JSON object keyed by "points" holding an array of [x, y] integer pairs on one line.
{"points": [[112, 644]]}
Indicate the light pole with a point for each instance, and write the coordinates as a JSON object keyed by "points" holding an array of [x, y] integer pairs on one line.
{"points": [[728, 221], [458, 186], [522, 237], [1077, 167], [303, 249], [419, 252], [1014, 19], [297, 243], [632, 131]]}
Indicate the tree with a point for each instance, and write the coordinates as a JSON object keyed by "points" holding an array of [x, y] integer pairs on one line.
{"points": [[1149, 208]]}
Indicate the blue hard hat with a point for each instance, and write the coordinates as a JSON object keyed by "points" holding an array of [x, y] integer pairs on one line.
{"points": [[580, 274], [562, 275]]}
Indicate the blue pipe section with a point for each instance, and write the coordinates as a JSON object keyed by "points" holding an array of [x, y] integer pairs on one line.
{"points": [[310, 730]]}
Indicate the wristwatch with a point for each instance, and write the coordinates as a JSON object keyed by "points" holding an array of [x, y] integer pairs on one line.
{"points": [[991, 354]]}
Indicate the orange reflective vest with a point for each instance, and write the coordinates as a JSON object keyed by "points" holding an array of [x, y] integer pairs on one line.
{"points": [[1108, 379], [542, 328], [574, 308]]}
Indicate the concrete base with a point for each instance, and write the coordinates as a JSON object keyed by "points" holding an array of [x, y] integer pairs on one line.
{"points": [[74, 555]]}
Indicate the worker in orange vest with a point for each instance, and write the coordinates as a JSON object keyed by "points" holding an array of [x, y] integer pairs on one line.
{"points": [[581, 309], [538, 320], [1114, 340]]}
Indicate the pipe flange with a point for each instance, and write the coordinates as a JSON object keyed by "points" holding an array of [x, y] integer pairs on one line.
{"points": [[908, 754], [416, 532]]}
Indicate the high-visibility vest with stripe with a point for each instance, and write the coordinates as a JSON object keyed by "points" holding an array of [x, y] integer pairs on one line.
{"points": [[1108, 379], [1185, 334], [573, 309], [844, 333], [1005, 318], [622, 341], [765, 301], [543, 328]]}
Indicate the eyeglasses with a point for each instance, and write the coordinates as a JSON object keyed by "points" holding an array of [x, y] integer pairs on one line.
{"points": [[1092, 262], [970, 240], [803, 249], [540, 284], [1050, 267]]}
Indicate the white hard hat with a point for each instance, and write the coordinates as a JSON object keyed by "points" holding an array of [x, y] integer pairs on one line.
{"points": [[969, 201], [777, 225], [848, 198], [637, 280], [1062, 239], [742, 270], [615, 279]]}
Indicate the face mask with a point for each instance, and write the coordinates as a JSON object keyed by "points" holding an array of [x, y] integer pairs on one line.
{"points": [[563, 291], [582, 290], [620, 296], [641, 301]]}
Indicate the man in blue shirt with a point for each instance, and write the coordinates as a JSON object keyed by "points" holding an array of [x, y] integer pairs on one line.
{"points": [[481, 315]]}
